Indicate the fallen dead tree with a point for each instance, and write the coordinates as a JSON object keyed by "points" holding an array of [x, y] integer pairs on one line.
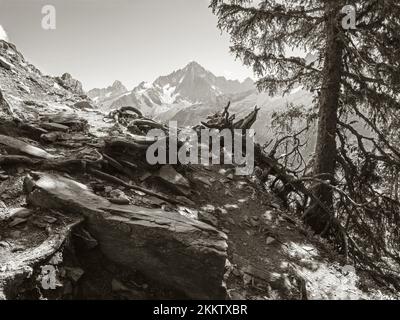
{"points": [[297, 191], [223, 120]]}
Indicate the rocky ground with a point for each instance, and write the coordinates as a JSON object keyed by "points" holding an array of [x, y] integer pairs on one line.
{"points": [[79, 205]]}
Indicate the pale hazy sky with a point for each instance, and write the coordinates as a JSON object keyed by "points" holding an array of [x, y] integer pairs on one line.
{"points": [[99, 41]]}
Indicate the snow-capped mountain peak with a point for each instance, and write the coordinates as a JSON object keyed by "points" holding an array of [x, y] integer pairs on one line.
{"points": [[191, 85]]}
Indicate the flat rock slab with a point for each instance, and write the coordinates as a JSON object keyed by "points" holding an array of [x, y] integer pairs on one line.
{"points": [[179, 252], [24, 147]]}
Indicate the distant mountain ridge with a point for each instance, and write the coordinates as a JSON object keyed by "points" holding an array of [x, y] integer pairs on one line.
{"points": [[196, 84], [190, 94], [190, 85]]}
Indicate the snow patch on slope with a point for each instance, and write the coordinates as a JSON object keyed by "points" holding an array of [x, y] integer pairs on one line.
{"points": [[3, 34], [168, 94]]}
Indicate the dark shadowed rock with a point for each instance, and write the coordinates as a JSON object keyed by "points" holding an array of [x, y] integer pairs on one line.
{"points": [[179, 252], [18, 266]]}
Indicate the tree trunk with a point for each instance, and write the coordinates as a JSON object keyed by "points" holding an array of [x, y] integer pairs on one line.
{"points": [[325, 150]]}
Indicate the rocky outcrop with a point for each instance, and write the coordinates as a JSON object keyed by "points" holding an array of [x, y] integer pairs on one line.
{"points": [[69, 83], [184, 254]]}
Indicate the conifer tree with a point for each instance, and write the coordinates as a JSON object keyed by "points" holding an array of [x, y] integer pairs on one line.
{"points": [[355, 73]]}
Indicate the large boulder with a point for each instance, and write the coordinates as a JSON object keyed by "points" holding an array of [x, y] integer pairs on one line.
{"points": [[176, 251]]}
